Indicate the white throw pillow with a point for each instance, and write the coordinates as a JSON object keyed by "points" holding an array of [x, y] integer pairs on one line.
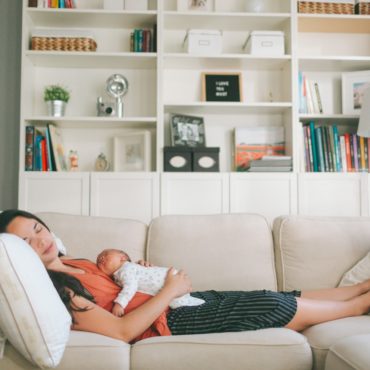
{"points": [[32, 316], [358, 273]]}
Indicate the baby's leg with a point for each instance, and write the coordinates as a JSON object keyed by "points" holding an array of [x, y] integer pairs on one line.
{"points": [[186, 300]]}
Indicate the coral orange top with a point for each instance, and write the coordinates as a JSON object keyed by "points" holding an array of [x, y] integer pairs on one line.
{"points": [[105, 290]]}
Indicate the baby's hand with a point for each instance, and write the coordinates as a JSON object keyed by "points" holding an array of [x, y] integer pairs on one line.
{"points": [[118, 310], [144, 263]]}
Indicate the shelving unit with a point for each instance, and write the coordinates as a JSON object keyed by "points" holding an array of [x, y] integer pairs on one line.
{"points": [[169, 81]]}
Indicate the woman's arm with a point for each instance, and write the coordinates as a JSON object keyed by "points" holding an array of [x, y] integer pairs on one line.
{"points": [[131, 325]]}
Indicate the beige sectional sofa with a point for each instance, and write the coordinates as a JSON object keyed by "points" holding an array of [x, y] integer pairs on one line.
{"points": [[225, 252]]}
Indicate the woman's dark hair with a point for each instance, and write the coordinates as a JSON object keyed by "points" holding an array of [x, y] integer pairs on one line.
{"points": [[7, 216], [67, 287]]}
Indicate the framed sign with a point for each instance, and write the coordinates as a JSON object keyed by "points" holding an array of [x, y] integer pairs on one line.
{"points": [[187, 131], [131, 151], [224, 87], [354, 85]]}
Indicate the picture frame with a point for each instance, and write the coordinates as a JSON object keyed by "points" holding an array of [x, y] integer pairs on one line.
{"points": [[188, 131], [222, 87], [354, 85], [195, 5], [132, 151]]}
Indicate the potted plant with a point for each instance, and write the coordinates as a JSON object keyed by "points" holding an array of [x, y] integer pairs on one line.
{"points": [[56, 98]]}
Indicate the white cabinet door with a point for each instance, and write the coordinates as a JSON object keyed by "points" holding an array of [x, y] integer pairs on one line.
{"points": [[125, 195], [270, 195], [194, 193], [336, 194], [63, 192]]}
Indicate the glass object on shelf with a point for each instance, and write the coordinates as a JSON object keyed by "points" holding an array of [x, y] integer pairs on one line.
{"points": [[101, 163], [73, 160]]}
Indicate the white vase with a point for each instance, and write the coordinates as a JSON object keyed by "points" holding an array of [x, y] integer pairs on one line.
{"points": [[56, 108]]}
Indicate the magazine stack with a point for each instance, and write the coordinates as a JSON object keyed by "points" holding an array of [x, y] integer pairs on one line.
{"points": [[271, 163]]}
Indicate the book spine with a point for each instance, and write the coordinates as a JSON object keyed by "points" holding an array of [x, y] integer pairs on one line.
{"points": [[347, 140], [343, 153], [302, 108], [355, 152], [314, 148], [29, 148], [366, 155], [38, 153], [325, 148], [329, 147], [48, 150], [362, 151], [318, 97], [136, 40], [141, 41], [310, 107], [315, 103], [338, 156], [308, 157], [309, 154], [44, 162], [54, 4], [320, 153]]}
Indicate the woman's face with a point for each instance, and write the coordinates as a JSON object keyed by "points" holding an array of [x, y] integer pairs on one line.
{"points": [[37, 236]]}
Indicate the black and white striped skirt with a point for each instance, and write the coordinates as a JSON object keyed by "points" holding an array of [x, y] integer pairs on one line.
{"points": [[234, 311]]}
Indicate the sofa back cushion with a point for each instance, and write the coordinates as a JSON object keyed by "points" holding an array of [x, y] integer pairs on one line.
{"points": [[86, 236], [223, 252], [315, 252]]}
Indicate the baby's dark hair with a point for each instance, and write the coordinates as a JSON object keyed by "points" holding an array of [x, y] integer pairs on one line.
{"points": [[67, 287]]}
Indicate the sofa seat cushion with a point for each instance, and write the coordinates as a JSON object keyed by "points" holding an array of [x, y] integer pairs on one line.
{"points": [[351, 353], [322, 336], [221, 252], [84, 351], [271, 349]]}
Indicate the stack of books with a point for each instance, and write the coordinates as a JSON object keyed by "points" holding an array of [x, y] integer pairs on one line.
{"points": [[272, 163]]}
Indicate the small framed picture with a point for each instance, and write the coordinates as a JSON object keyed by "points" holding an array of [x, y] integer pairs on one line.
{"points": [[195, 5], [221, 87], [131, 151], [188, 131], [354, 85]]}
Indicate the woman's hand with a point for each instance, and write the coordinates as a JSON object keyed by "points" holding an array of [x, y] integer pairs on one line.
{"points": [[145, 263], [177, 284]]}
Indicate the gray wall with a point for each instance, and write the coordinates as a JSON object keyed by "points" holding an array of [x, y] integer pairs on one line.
{"points": [[10, 56]]}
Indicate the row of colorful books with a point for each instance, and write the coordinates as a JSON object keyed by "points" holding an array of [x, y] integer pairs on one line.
{"points": [[143, 40], [44, 149], [309, 96], [325, 150], [69, 4]]}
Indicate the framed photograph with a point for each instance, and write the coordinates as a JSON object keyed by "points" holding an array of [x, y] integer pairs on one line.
{"points": [[354, 85], [188, 131], [195, 5], [131, 151], [221, 87]]}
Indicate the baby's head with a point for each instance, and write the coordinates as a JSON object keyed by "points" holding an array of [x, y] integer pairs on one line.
{"points": [[110, 260]]}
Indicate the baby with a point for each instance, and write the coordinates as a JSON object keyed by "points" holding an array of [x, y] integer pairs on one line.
{"points": [[134, 277]]}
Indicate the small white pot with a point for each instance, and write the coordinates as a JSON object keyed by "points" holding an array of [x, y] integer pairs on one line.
{"points": [[56, 108]]}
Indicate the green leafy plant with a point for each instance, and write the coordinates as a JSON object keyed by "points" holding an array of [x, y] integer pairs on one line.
{"points": [[56, 92]]}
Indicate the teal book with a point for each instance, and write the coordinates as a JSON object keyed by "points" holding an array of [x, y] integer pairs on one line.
{"points": [[338, 156], [319, 152], [314, 148]]}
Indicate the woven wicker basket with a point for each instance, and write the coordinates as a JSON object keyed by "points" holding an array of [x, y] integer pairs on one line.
{"points": [[63, 43], [363, 8], [325, 8]]}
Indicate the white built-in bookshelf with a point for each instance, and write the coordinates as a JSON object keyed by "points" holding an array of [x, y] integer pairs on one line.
{"points": [[169, 81]]}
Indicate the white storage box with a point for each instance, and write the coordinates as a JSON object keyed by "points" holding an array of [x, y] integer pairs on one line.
{"points": [[203, 42], [136, 4], [265, 43]]}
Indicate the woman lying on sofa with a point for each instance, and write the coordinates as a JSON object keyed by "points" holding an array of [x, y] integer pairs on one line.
{"points": [[89, 296]]}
